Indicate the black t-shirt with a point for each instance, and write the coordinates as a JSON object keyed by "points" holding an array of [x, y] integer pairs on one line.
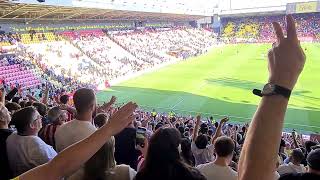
{"points": [[5, 172], [300, 176], [125, 148]]}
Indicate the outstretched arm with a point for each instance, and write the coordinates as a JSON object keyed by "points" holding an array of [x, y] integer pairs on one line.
{"points": [[196, 129], [218, 132], [74, 156], [286, 60]]}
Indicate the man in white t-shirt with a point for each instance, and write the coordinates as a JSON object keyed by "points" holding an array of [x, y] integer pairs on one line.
{"points": [[24, 148], [219, 168], [81, 127], [294, 166]]}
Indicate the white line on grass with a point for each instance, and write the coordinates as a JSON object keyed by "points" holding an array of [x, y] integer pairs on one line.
{"points": [[181, 99]]}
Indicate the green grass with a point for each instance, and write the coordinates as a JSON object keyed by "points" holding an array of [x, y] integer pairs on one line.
{"points": [[220, 83]]}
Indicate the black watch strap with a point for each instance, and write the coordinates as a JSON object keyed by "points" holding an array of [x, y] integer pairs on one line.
{"points": [[282, 91], [277, 90]]}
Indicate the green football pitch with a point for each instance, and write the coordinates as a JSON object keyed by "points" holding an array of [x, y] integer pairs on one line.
{"points": [[220, 83]]}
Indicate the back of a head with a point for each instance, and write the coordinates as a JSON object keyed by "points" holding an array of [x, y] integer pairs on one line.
{"points": [[29, 103], [309, 144], [100, 120], [224, 146], [163, 147], [201, 141], [64, 99], [163, 160], [23, 118], [41, 108], [12, 106], [23, 103], [84, 99], [185, 145], [16, 99], [54, 113], [102, 161], [297, 155], [313, 160]]}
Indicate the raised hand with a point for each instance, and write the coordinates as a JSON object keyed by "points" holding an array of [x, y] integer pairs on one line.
{"points": [[286, 59], [122, 118], [106, 106], [224, 120]]}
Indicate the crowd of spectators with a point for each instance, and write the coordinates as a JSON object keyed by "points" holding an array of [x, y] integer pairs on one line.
{"points": [[259, 28]]}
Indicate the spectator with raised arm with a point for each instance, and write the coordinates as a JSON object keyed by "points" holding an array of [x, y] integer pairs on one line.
{"points": [[71, 159], [203, 152], [295, 164], [285, 63], [219, 168]]}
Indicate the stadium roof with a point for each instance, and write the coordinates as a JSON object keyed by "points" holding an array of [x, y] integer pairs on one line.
{"points": [[29, 13]]}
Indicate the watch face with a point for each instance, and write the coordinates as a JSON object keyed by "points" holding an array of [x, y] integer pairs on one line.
{"points": [[268, 89]]}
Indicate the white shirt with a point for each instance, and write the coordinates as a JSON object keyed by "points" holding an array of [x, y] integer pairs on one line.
{"points": [[213, 172], [291, 168], [72, 132], [27, 152], [202, 156]]}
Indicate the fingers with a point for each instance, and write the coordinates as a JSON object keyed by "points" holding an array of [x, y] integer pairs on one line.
{"points": [[291, 29], [278, 31]]}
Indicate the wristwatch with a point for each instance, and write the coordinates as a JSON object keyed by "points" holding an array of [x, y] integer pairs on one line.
{"points": [[272, 89]]}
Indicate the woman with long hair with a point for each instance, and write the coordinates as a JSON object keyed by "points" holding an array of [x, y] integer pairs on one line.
{"points": [[163, 160], [186, 153], [102, 166]]}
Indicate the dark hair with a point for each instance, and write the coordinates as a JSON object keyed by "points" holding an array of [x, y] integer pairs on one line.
{"points": [[224, 146], [297, 155], [181, 130], [23, 103], [41, 108], [29, 103], [201, 141], [12, 106], [83, 99], [313, 159], [22, 118], [100, 120], [309, 144], [203, 128], [64, 99], [216, 124], [163, 160], [16, 99], [186, 152], [210, 132]]}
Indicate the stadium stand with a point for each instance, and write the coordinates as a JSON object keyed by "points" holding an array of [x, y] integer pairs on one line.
{"points": [[259, 28]]}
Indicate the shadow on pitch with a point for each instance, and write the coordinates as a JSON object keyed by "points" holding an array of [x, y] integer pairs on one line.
{"points": [[250, 85], [184, 103]]}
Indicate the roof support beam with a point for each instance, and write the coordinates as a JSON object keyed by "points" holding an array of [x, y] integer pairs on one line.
{"points": [[17, 9], [75, 14], [45, 14], [26, 12]]}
